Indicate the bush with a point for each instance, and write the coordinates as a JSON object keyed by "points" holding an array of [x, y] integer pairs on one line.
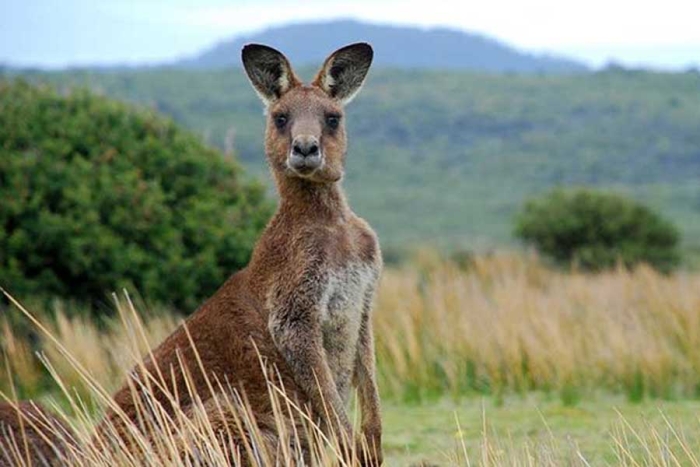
{"points": [[96, 196], [595, 230]]}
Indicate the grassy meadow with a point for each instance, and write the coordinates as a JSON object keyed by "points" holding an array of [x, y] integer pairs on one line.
{"points": [[494, 360]]}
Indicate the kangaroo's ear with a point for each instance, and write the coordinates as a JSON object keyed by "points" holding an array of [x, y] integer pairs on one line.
{"points": [[344, 71], [269, 72]]}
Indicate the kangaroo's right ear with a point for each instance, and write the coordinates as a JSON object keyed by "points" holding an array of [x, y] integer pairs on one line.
{"points": [[269, 72]]}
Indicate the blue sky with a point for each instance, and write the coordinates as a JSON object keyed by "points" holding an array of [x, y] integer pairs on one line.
{"points": [[58, 33]]}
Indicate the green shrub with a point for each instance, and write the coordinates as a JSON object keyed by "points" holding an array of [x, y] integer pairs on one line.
{"points": [[96, 196], [595, 230]]}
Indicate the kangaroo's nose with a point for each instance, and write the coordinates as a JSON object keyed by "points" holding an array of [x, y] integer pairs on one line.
{"points": [[305, 145]]}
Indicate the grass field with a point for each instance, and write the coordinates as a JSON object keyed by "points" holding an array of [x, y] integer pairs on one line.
{"points": [[538, 430], [497, 360]]}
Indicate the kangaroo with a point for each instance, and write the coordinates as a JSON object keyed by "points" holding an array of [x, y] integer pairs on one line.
{"points": [[304, 301], [43, 446]]}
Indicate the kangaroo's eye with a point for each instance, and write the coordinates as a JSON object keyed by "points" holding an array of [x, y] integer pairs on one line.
{"points": [[333, 121], [280, 121]]}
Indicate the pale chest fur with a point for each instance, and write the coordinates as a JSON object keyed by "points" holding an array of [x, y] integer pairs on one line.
{"points": [[347, 293]]}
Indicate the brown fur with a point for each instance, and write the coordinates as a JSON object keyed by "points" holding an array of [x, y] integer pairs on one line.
{"points": [[303, 303], [31, 433]]}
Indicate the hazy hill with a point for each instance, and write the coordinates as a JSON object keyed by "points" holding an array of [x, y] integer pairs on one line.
{"points": [[448, 157], [396, 46]]}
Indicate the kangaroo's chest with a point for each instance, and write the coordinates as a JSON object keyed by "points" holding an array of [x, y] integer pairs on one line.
{"points": [[348, 290]]}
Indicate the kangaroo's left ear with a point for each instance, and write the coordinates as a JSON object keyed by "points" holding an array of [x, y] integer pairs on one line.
{"points": [[344, 71]]}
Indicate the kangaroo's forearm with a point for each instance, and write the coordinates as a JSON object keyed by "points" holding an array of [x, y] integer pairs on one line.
{"points": [[368, 393], [365, 377], [313, 375], [300, 345], [365, 374]]}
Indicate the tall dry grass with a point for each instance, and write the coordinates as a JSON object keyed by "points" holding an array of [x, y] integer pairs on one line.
{"points": [[217, 428], [508, 323], [106, 352], [503, 323]]}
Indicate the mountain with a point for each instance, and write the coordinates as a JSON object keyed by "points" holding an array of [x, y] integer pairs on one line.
{"points": [[448, 157], [395, 46]]}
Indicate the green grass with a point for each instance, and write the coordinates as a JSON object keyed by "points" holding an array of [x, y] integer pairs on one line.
{"points": [[428, 432]]}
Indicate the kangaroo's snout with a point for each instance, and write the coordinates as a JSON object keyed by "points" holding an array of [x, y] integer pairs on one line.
{"points": [[305, 146], [305, 156]]}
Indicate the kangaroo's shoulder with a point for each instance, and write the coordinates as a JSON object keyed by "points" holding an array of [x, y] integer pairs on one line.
{"points": [[366, 241]]}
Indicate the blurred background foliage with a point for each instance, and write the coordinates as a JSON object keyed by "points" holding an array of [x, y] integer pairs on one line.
{"points": [[96, 196], [448, 156], [596, 230]]}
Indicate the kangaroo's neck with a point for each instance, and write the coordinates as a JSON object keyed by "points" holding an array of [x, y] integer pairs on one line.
{"points": [[303, 200]]}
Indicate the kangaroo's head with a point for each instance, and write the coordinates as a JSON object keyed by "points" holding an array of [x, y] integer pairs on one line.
{"points": [[305, 134]]}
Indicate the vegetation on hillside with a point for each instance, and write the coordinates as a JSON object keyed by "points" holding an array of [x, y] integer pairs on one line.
{"points": [[96, 196], [449, 157], [597, 230]]}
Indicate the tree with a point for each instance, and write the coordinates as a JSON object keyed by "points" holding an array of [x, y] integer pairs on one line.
{"points": [[595, 230], [96, 196]]}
